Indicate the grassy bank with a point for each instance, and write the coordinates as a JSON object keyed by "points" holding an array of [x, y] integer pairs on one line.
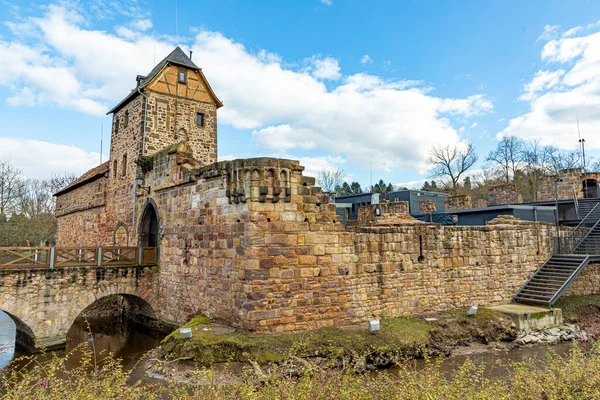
{"points": [[571, 377], [399, 337]]}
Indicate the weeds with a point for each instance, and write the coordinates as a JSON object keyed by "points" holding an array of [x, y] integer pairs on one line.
{"points": [[571, 377]]}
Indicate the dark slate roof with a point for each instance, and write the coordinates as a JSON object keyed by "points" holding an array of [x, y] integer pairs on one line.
{"points": [[89, 176], [177, 56]]}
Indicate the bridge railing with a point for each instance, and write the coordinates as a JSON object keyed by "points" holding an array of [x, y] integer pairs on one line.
{"points": [[57, 257]]}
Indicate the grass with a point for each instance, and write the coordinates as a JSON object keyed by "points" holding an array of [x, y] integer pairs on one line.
{"points": [[412, 337], [193, 323], [571, 377], [575, 308]]}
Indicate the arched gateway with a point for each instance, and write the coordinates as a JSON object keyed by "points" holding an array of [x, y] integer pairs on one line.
{"points": [[149, 227]]}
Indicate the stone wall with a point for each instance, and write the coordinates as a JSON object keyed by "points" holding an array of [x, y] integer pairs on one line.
{"points": [[49, 300], [573, 182], [427, 206], [505, 193], [256, 244], [587, 283], [458, 202], [384, 214], [83, 198]]}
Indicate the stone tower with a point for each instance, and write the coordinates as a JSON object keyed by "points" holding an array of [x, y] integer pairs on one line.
{"points": [[173, 103]]}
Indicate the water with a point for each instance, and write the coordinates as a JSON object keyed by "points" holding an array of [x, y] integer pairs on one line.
{"points": [[8, 333], [496, 363], [129, 343], [121, 340]]}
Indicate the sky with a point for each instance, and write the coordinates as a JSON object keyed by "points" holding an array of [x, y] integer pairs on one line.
{"points": [[365, 87]]}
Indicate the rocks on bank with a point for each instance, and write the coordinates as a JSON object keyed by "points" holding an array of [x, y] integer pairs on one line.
{"points": [[565, 333]]}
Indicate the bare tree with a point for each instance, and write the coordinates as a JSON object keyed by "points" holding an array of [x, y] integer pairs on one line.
{"points": [[331, 179], [12, 186], [536, 164], [507, 155], [561, 159], [452, 161]]}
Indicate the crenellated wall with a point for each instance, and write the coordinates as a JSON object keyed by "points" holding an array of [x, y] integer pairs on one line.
{"points": [[254, 243]]}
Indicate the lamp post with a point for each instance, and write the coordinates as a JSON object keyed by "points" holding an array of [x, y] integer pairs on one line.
{"points": [[139, 180], [556, 213], [585, 187]]}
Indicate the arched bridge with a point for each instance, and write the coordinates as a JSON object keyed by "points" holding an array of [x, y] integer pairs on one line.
{"points": [[45, 289]]}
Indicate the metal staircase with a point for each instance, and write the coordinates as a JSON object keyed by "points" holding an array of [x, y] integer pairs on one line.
{"points": [[572, 253]]}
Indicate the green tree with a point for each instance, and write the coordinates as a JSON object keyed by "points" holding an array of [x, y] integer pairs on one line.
{"points": [[381, 187]]}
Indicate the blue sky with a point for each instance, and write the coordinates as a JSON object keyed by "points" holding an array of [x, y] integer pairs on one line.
{"points": [[333, 83]]}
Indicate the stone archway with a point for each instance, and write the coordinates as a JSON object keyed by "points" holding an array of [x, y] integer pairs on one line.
{"points": [[25, 338], [590, 188], [149, 230], [121, 235], [115, 322]]}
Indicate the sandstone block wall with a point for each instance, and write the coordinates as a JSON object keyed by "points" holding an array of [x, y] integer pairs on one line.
{"points": [[458, 202], [427, 206], [504, 194], [254, 243], [587, 283], [49, 300], [573, 180]]}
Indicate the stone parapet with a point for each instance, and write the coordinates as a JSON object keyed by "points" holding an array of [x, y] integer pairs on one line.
{"points": [[458, 202]]}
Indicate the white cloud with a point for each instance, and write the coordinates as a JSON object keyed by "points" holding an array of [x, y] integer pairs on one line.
{"points": [[568, 84], [550, 31], [366, 59], [38, 159], [474, 125], [542, 80], [360, 116], [57, 58], [327, 2], [314, 165], [325, 68], [142, 24]]}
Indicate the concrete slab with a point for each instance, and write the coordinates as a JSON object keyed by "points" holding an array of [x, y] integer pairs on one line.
{"points": [[529, 318]]}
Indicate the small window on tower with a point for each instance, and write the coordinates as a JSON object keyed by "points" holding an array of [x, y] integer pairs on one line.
{"points": [[124, 166], [126, 119], [116, 123], [182, 76], [115, 169], [200, 119]]}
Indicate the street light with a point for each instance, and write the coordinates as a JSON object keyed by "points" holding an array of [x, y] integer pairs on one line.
{"points": [[556, 212], [139, 180]]}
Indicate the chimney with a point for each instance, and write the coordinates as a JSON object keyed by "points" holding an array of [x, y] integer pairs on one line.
{"points": [[190, 55]]}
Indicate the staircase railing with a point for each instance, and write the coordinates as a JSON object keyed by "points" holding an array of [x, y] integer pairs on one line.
{"points": [[576, 202], [567, 244]]}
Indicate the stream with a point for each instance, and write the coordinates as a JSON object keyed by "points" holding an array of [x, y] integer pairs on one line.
{"points": [[130, 343]]}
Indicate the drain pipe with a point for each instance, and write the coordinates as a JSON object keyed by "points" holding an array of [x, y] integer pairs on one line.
{"points": [[144, 126], [133, 221]]}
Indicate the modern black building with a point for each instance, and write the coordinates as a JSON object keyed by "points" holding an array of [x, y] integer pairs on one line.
{"points": [[479, 216], [347, 206]]}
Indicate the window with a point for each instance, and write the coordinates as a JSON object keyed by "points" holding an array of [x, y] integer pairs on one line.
{"points": [[182, 76], [116, 123], [200, 119], [124, 166], [115, 169], [126, 119]]}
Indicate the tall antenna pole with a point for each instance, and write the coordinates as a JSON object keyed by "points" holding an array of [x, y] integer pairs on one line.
{"points": [[582, 147], [371, 172], [101, 135], [176, 24]]}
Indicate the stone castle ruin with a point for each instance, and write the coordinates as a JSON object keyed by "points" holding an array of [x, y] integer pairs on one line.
{"points": [[255, 243]]}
